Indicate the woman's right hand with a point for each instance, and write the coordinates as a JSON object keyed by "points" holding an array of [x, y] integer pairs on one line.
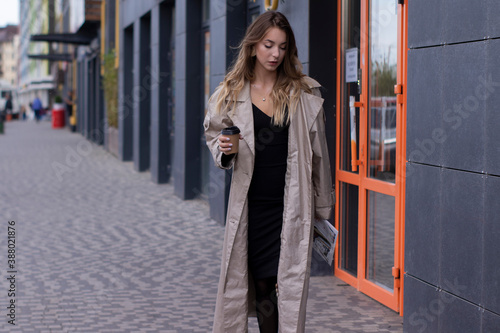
{"points": [[225, 145]]}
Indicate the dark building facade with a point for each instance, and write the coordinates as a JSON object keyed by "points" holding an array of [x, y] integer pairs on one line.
{"points": [[90, 110], [452, 281]]}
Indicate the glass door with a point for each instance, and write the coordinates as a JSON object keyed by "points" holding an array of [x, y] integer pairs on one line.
{"points": [[370, 164]]}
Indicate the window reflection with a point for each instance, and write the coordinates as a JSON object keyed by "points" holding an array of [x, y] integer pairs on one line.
{"points": [[380, 234], [383, 77], [350, 90]]}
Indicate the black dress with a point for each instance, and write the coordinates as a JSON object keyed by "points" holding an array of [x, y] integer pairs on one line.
{"points": [[265, 196]]}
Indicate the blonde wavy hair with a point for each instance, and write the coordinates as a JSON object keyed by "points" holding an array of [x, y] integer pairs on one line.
{"points": [[290, 79]]}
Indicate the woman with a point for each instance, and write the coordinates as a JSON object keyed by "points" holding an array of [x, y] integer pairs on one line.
{"points": [[281, 179]]}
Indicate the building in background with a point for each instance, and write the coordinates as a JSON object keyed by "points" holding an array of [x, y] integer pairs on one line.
{"points": [[86, 16], [9, 64], [36, 76], [64, 42], [9, 49]]}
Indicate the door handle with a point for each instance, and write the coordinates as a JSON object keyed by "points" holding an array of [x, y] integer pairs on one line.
{"points": [[353, 104]]}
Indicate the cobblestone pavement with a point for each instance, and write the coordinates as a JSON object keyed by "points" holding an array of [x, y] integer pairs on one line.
{"points": [[100, 248]]}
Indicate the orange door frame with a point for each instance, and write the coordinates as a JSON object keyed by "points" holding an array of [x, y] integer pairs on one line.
{"points": [[392, 300]]}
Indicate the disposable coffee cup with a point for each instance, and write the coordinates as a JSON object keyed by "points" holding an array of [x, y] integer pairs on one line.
{"points": [[233, 133]]}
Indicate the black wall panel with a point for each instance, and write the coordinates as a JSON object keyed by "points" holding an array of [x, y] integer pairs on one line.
{"points": [[461, 231], [418, 299], [424, 106], [490, 90], [463, 113], [432, 310], [493, 23], [456, 315], [491, 261], [126, 119], [464, 20], [423, 214], [425, 23], [452, 106], [490, 322], [433, 22]]}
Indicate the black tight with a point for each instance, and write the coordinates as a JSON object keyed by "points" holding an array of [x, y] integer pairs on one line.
{"points": [[267, 304]]}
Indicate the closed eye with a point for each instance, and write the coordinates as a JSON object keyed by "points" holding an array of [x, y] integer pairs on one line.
{"points": [[269, 46]]}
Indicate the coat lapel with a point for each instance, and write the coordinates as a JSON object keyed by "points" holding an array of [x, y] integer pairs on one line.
{"points": [[242, 117]]}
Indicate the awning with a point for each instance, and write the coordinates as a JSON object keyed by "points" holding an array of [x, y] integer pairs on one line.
{"points": [[52, 57], [65, 38]]}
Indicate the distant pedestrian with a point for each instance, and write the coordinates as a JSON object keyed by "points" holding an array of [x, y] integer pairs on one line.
{"points": [[281, 180], [8, 104], [69, 103], [37, 108], [23, 112]]}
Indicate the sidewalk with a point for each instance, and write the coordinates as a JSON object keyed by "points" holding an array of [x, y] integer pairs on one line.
{"points": [[100, 248]]}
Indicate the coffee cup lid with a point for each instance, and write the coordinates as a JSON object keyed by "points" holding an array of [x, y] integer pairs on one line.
{"points": [[231, 130]]}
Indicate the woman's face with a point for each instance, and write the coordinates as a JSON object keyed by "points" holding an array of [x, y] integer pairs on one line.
{"points": [[270, 51]]}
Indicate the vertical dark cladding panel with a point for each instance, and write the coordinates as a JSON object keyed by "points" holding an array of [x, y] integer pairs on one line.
{"points": [[431, 310], [462, 208], [219, 39], [491, 91], [102, 123], [464, 20], [422, 222], [186, 168], [155, 99], [89, 96], [433, 22], [161, 93], [143, 93], [128, 102], [193, 101], [463, 106], [490, 322], [235, 28], [322, 67], [456, 314], [424, 119], [420, 300], [166, 98], [493, 23], [322, 63], [178, 162], [425, 23], [491, 278], [220, 180]]}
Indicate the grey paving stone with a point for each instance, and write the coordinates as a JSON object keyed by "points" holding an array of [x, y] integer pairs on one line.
{"points": [[100, 248]]}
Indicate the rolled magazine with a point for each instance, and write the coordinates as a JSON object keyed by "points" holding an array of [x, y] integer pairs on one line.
{"points": [[324, 239]]}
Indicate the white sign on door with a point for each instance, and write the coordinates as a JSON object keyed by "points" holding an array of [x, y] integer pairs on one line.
{"points": [[351, 65]]}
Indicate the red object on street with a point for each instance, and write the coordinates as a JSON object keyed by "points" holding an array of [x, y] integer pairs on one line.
{"points": [[57, 117]]}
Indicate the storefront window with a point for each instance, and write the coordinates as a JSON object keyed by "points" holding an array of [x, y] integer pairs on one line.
{"points": [[383, 70]]}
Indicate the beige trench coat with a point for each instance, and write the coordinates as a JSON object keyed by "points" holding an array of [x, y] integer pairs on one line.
{"points": [[308, 194]]}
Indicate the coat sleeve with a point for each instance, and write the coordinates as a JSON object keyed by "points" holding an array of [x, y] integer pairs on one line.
{"points": [[214, 123], [321, 175]]}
